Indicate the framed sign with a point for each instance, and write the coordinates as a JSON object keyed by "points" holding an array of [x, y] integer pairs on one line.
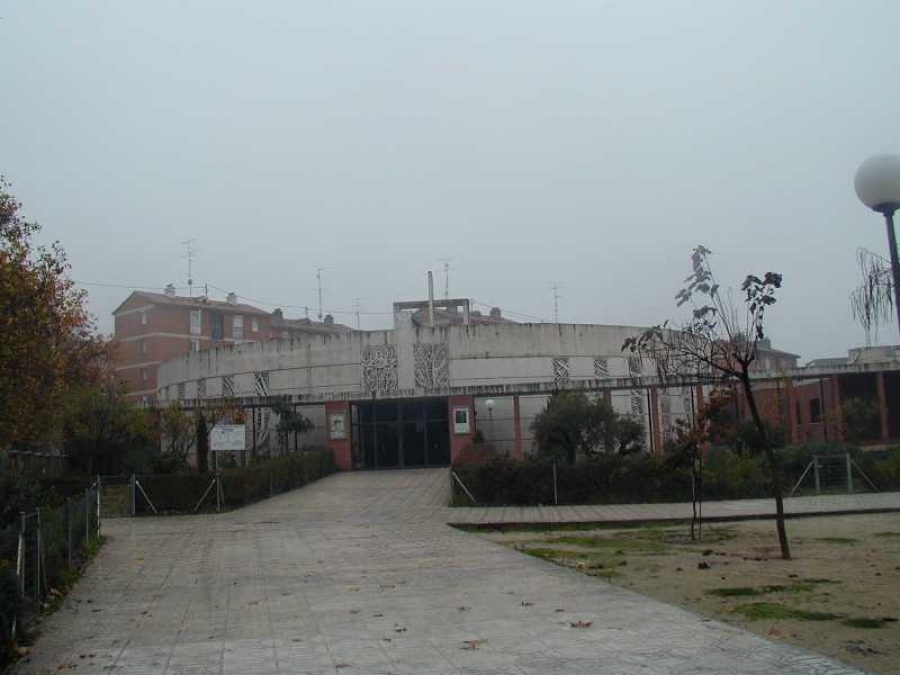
{"points": [[224, 437], [337, 425], [461, 420]]}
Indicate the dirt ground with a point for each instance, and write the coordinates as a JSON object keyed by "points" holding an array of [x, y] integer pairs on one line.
{"points": [[840, 595]]}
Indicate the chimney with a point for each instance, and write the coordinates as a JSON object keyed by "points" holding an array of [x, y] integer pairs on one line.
{"points": [[329, 320], [495, 313], [278, 314], [231, 299], [170, 291]]}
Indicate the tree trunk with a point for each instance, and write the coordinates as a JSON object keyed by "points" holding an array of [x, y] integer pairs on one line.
{"points": [[773, 466]]}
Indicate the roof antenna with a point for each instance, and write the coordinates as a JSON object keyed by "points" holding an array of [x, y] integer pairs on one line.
{"points": [[189, 252]]}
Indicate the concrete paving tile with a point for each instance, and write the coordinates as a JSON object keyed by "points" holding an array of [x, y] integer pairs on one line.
{"points": [[360, 571]]}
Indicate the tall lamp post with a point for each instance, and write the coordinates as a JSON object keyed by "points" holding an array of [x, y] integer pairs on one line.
{"points": [[878, 187]]}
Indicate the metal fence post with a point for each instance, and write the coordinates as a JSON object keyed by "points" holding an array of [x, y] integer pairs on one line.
{"points": [[67, 510], [133, 495], [555, 495], [37, 560], [87, 515], [849, 473], [98, 509], [816, 473], [22, 563]]}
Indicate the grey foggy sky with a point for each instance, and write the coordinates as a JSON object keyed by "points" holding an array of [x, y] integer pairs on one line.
{"points": [[591, 144]]}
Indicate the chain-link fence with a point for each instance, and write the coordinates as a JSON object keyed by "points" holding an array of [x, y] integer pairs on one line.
{"points": [[46, 545]]}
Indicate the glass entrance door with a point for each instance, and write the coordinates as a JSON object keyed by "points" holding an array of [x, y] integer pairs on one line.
{"points": [[408, 433]]}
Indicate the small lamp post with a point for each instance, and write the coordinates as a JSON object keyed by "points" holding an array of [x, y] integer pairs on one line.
{"points": [[878, 187], [490, 403]]}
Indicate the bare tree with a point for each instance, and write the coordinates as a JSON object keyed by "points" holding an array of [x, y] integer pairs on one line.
{"points": [[718, 344], [872, 302]]}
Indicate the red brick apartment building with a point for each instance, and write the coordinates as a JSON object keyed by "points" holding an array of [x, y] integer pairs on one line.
{"points": [[153, 327]]}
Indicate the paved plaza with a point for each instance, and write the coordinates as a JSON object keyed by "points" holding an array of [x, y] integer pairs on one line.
{"points": [[359, 573]]}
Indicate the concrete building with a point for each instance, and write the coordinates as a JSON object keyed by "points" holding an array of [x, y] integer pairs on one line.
{"points": [[414, 395], [154, 327]]}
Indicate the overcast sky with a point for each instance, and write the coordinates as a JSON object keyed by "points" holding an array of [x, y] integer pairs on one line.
{"points": [[590, 144]]}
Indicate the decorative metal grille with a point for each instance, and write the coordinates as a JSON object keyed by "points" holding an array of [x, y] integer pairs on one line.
{"points": [[201, 388], [261, 382], [432, 365], [637, 404], [379, 370], [181, 391], [601, 367], [561, 372], [228, 386]]}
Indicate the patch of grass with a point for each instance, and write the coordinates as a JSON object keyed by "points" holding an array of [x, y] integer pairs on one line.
{"points": [[818, 580], [551, 553], [887, 534], [635, 545], [864, 622], [774, 611], [838, 540], [743, 591]]}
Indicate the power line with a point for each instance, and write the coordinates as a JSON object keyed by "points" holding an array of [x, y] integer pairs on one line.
{"points": [[132, 287]]}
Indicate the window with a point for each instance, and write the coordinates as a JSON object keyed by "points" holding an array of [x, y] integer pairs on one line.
{"points": [[144, 374], [815, 411], [228, 386], [195, 345], [143, 346], [145, 400], [237, 330], [201, 388], [216, 326], [181, 391], [601, 367], [143, 318], [254, 325], [196, 322]]}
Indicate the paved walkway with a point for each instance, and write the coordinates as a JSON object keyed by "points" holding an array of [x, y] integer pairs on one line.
{"points": [[359, 574], [734, 509]]}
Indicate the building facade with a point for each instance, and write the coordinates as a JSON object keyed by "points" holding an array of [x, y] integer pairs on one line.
{"points": [[416, 394], [151, 328]]}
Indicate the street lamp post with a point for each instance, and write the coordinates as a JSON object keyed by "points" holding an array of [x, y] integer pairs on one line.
{"points": [[878, 187]]}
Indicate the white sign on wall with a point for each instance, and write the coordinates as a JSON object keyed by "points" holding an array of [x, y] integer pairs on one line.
{"points": [[227, 437]]}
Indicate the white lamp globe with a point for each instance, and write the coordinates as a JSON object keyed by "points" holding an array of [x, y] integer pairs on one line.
{"points": [[878, 183], [490, 403]]}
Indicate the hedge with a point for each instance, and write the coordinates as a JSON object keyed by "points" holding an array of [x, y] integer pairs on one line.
{"points": [[179, 493], [617, 479]]}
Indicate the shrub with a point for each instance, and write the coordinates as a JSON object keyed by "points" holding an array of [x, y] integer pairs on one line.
{"points": [[264, 477]]}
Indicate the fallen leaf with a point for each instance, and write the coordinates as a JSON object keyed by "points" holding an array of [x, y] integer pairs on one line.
{"points": [[581, 624]]}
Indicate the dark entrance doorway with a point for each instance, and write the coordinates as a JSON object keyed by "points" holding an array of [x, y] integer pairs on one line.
{"points": [[395, 434]]}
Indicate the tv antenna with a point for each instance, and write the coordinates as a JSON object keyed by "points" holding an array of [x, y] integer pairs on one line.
{"points": [[556, 296], [319, 271], [190, 251], [447, 269]]}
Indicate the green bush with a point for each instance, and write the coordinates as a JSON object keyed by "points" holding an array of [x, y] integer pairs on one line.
{"points": [[618, 479], [180, 493]]}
